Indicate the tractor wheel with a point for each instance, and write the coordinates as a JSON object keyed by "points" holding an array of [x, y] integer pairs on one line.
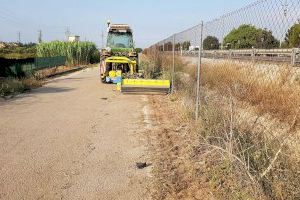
{"points": [[103, 80]]}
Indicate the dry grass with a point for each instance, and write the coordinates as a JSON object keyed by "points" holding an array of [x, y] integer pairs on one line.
{"points": [[258, 164], [269, 159], [277, 95], [11, 86], [156, 65], [232, 156], [51, 71], [171, 145]]}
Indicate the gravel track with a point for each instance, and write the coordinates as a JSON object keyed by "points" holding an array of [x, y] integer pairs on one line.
{"points": [[74, 138]]}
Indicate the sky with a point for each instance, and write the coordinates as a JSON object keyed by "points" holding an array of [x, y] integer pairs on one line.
{"points": [[151, 20]]}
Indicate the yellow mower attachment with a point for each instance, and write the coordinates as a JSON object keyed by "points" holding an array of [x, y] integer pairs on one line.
{"points": [[145, 86]]}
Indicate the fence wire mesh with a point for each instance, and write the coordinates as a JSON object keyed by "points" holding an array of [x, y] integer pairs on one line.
{"points": [[47, 62], [249, 74], [276, 16]]}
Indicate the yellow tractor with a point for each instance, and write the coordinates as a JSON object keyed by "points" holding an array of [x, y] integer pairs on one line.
{"points": [[120, 64]]}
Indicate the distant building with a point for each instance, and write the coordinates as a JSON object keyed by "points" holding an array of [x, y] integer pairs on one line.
{"points": [[74, 38]]}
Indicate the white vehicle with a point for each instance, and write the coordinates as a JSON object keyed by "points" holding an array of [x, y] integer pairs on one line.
{"points": [[193, 48]]}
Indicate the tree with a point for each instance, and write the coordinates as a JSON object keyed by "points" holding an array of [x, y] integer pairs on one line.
{"points": [[266, 40], [168, 46], [161, 48], [248, 36], [138, 50], [292, 38], [177, 47], [211, 43], [186, 45]]}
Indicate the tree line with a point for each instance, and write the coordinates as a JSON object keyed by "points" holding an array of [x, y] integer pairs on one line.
{"points": [[245, 36]]}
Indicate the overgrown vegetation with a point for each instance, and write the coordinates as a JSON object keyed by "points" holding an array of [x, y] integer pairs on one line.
{"points": [[275, 93], [9, 86], [13, 85], [246, 140], [138, 50], [76, 52], [17, 50]]}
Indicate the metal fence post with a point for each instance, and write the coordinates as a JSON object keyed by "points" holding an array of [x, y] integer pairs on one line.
{"points": [[199, 74], [293, 57], [173, 65], [253, 54]]}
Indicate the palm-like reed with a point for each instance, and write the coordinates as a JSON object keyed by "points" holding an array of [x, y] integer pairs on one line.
{"points": [[76, 53]]}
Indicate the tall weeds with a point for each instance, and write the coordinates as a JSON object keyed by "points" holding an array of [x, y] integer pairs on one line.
{"points": [[248, 141], [274, 94], [75, 52]]}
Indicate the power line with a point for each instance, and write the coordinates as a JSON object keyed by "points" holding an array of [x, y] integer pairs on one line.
{"points": [[7, 19], [12, 17], [9, 15]]}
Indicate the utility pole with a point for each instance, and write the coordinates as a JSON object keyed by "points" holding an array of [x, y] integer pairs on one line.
{"points": [[173, 65], [19, 37], [102, 38], [40, 40], [197, 109], [67, 33], [285, 6]]}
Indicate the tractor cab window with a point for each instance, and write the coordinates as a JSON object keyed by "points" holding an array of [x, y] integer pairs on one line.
{"points": [[120, 40]]}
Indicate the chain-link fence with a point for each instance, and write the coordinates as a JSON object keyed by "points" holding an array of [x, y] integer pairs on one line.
{"points": [[266, 31], [244, 66], [44, 62]]}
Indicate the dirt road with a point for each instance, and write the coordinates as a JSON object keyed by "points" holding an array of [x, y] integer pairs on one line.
{"points": [[74, 138]]}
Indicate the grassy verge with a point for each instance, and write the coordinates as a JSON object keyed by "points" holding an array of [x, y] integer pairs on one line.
{"points": [[12, 86], [245, 146]]}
